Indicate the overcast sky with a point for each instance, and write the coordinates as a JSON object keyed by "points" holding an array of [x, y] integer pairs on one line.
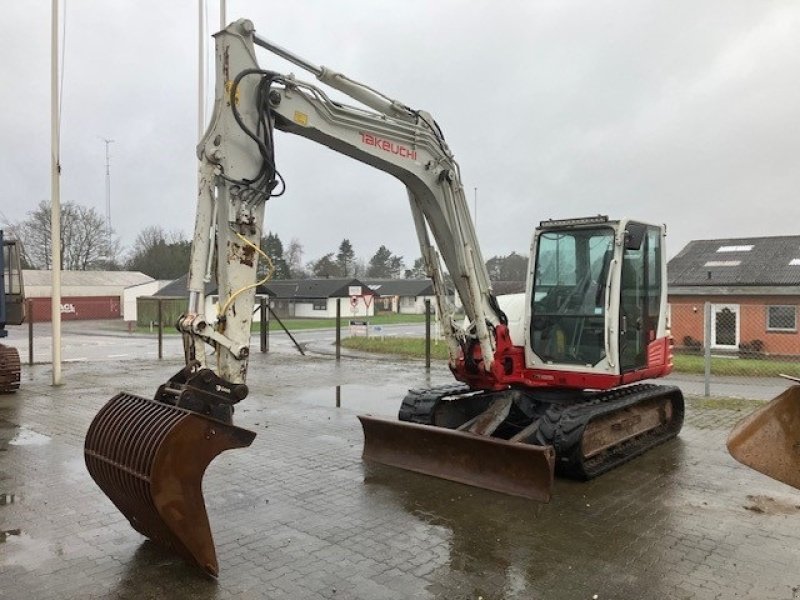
{"points": [[681, 112]]}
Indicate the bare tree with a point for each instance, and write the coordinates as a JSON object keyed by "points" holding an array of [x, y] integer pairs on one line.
{"points": [[293, 255], [86, 243]]}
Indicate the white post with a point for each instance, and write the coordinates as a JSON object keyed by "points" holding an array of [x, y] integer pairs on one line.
{"points": [[222, 19], [201, 88], [55, 207]]}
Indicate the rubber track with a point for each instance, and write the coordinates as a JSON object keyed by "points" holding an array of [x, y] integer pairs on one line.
{"points": [[419, 404], [9, 369], [563, 427]]}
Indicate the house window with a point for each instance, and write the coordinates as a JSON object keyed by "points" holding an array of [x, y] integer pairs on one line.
{"points": [[781, 318], [320, 305]]}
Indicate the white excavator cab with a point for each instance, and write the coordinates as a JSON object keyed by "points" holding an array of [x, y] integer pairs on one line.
{"points": [[597, 292]]}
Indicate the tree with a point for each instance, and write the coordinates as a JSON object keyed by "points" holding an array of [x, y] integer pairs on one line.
{"points": [[293, 256], [86, 242], [160, 254], [325, 267], [417, 271], [384, 264], [345, 258], [273, 247], [513, 267]]}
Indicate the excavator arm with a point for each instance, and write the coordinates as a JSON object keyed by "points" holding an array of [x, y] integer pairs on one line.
{"points": [[238, 175]]}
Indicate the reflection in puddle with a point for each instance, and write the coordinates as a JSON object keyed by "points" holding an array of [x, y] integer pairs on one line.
{"points": [[4, 534], [22, 550], [380, 400], [28, 437]]}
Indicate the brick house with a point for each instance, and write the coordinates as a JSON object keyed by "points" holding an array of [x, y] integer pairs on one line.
{"points": [[753, 286]]}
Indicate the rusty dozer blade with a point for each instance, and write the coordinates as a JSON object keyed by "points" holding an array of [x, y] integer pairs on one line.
{"points": [[149, 459], [768, 440], [513, 468]]}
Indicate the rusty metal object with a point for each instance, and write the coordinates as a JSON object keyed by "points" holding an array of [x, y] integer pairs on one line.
{"points": [[9, 369], [768, 440], [495, 464], [617, 427], [149, 458]]}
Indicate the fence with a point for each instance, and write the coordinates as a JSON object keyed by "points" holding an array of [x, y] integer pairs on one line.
{"points": [[749, 343]]}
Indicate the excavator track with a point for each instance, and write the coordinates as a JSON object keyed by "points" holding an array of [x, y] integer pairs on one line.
{"points": [[590, 432], [610, 428], [9, 369]]}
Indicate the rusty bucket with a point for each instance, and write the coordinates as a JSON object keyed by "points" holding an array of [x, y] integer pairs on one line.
{"points": [[149, 458], [9, 369], [768, 440], [512, 468]]}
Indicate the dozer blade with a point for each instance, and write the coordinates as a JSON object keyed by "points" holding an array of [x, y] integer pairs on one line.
{"points": [[511, 468], [768, 440], [9, 369], [149, 459]]}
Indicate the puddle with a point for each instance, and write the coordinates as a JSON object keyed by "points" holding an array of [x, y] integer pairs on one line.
{"points": [[5, 534], [770, 506], [22, 550], [28, 437], [381, 400]]}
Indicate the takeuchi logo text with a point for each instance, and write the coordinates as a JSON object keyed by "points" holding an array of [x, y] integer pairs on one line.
{"points": [[387, 146]]}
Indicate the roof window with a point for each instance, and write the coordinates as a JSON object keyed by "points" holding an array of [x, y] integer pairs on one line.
{"points": [[735, 248], [723, 263]]}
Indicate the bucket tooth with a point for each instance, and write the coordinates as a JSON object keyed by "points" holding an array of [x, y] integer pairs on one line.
{"points": [[768, 440], [149, 459], [511, 468]]}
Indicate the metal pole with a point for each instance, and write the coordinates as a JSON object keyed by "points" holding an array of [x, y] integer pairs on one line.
{"points": [[160, 331], [55, 201], [428, 335], [262, 316], [30, 332], [201, 82], [108, 185], [707, 359], [222, 11], [338, 396], [338, 329]]}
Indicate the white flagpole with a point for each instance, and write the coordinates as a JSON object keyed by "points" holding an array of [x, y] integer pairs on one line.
{"points": [[55, 216]]}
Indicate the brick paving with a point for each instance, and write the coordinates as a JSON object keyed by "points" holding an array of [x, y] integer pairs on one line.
{"points": [[299, 515]]}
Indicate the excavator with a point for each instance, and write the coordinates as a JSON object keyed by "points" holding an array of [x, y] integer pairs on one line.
{"points": [[12, 311], [552, 383]]}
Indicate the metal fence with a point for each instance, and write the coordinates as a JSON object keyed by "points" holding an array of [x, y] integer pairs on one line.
{"points": [[749, 343]]}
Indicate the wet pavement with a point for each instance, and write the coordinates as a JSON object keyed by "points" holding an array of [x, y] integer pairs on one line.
{"points": [[299, 515]]}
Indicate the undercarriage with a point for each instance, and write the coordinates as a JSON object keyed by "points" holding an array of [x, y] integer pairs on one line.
{"points": [[591, 432]]}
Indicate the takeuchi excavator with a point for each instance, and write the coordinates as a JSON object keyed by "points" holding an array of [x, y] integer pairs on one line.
{"points": [[12, 310], [551, 382]]}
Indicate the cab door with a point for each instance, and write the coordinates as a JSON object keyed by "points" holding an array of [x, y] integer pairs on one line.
{"points": [[640, 294]]}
